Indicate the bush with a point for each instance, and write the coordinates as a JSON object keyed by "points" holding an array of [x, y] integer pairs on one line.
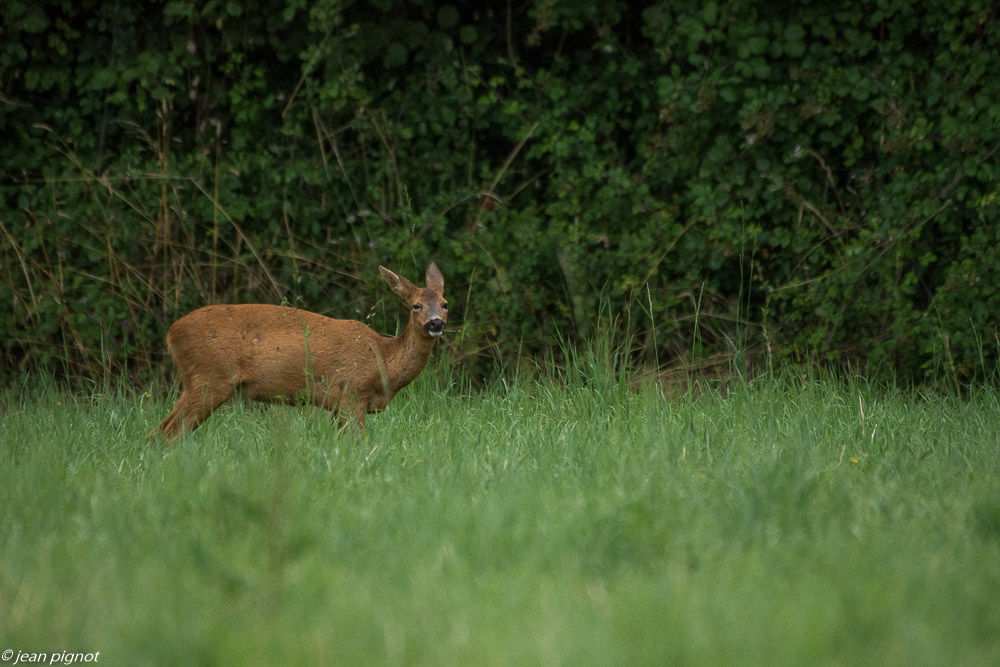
{"points": [[816, 183]]}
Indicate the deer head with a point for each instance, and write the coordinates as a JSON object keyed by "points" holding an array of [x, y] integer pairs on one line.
{"points": [[428, 309]]}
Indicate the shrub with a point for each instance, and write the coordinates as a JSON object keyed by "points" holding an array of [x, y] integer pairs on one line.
{"points": [[812, 183]]}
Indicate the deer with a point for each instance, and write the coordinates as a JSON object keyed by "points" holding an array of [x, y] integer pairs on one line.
{"points": [[283, 354]]}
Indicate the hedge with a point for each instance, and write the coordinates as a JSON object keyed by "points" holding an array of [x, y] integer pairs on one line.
{"points": [[811, 182]]}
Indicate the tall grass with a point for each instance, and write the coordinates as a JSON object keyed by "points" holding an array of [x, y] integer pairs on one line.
{"points": [[576, 519]]}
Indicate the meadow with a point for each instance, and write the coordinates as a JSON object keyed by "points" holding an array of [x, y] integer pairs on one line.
{"points": [[575, 519]]}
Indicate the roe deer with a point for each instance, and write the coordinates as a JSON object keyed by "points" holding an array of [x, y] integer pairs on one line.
{"points": [[277, 353]]}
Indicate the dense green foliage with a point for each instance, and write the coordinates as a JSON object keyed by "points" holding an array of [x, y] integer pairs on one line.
{"points": [[810, 182], [582, 522]]}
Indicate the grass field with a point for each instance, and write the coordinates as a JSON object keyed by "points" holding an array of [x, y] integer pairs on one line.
{"points": [[572, 521]]}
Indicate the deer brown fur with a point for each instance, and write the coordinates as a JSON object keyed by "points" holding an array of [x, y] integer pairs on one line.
{"points": [[277, 353]]}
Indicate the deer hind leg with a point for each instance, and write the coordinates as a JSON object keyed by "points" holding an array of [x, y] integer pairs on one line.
{"points": [[168, 427], [194, 407]]}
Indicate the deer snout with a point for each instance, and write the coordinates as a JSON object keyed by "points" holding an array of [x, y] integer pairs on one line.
{"points": [[434, 327]]}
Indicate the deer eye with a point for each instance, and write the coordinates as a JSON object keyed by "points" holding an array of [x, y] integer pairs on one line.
{"points": [[444, 305], [416, 306]]}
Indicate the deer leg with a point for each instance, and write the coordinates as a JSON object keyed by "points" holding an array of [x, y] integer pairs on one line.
{"points": [[168, 426], [343, 407], [359, 418], [193, 408]]}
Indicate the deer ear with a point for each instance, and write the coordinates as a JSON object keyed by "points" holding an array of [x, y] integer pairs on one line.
{"points": [[434, 278], [397, 284]]}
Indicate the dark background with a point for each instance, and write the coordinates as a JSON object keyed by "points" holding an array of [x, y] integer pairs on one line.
{"points": [[702, 183]]}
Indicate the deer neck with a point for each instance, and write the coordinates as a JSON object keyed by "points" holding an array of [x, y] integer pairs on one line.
{"points": [[406, 355]]}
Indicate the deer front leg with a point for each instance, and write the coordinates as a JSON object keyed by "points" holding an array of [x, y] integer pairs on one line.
{"points": [[344, 417], [344, 408], [359, 417]]}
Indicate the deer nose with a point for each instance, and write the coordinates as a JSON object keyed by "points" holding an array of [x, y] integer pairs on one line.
{"points": [[434, 327]]}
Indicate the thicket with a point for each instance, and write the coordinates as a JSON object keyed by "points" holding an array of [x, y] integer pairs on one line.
{"points": [[812, 182]]}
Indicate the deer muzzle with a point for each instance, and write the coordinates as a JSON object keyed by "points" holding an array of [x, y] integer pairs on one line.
{"points": [[435, 327]]}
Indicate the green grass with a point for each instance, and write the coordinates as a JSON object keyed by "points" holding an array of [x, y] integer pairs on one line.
{"points": [[574, 521]]}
